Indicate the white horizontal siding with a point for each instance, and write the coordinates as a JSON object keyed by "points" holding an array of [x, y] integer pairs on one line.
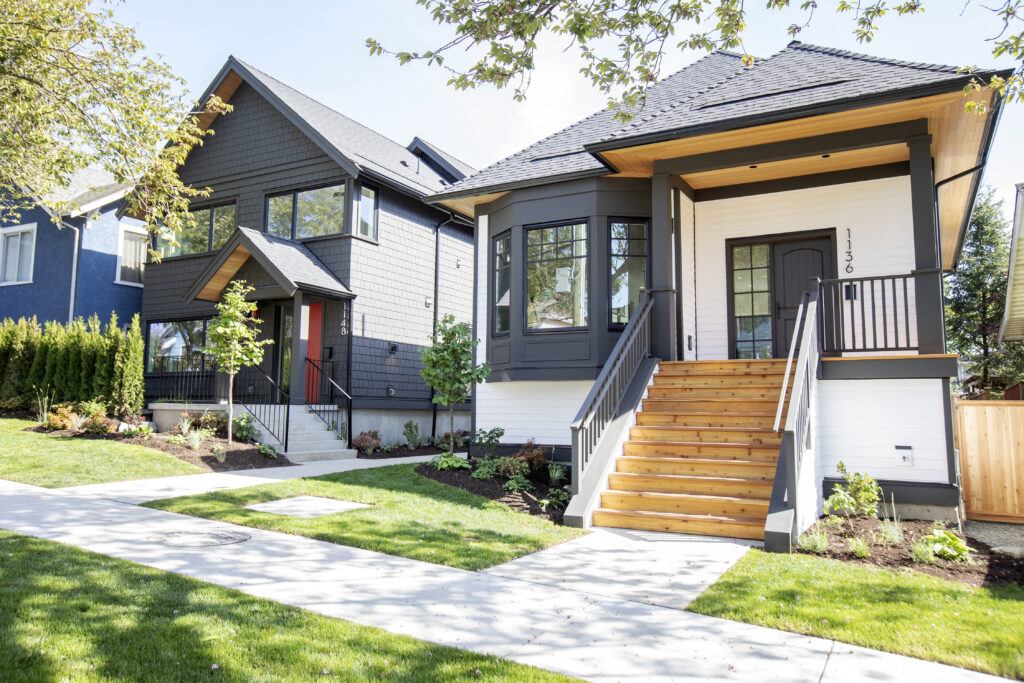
{"points": [[877, 212], [541, 411], [860, 422], [687, 288]]}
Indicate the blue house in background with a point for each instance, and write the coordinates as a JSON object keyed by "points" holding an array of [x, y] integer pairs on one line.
{"points": [[80, 261]]}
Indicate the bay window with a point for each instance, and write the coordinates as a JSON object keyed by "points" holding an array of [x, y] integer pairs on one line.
{"points": [[628, 268], [556, 277], [502, 263]]}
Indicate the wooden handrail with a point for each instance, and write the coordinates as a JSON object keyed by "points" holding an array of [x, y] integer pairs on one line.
{"points": [[789, 360]]}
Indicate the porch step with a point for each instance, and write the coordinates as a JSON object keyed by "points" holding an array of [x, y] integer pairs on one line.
{"points": [[718, 380], [685, 503], [705, 451], [696, 467], [722, 392], [674, 483], [734, 367], [682, 419], [679, 523], [721, 406], [298, 456], [751, 436]]}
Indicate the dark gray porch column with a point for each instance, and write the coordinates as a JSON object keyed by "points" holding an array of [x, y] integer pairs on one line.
{"points": [[931, 335], [663, 318], [300, 340]]}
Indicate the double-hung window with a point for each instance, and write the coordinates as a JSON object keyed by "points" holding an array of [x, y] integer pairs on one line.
{"points": [[131, 255], [307, 213], [556, 277], [501, 259], [628, 267], [17, 254], [213, 226]]}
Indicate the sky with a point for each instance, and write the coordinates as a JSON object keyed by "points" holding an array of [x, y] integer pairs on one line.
{"points": [[319, 48]]}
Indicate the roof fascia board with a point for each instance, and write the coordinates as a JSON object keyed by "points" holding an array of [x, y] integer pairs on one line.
{"points": [[829, 143], [100, 202], [426, 148], [236, 240], [516, 185]]}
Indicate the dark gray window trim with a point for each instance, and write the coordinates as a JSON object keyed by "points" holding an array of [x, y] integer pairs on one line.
{"points": [[524, 271], [209, 228], [294, 192], [491, 273], [358, 214], [177, 319], [647, 261]]}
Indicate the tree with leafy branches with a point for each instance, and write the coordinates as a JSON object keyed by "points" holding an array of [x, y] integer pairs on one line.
{"points": [[976, 297], [622, 44], [231, 337], [79, 91], [448, 367]]}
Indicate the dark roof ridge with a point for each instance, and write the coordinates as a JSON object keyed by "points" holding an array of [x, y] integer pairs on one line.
{"points": [[439, 149], [848, 54]]}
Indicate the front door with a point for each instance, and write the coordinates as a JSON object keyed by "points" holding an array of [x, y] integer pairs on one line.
{"points": [[766, 280]]}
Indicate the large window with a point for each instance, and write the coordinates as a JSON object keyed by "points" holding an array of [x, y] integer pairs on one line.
{"points": [[628, 268], [556, 277], [17, 254], [176, 346], [213, 226], [752, 306], [307, 213], [368, 212], [131, 255], [502, 263]]}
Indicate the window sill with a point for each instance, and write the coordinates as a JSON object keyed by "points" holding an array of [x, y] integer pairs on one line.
{"points": [[181, 257], [368, 240], [137, 285], [558, 330], [12, 284]]}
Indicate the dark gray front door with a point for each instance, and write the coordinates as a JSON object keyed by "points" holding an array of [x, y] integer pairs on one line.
{"points": [[794, 263]]}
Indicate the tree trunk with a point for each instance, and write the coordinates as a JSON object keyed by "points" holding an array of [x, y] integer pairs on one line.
{"points": [[231, 403], [451, 426]]}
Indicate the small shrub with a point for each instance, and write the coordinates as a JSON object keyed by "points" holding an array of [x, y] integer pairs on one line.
{"points": [[267, 451], [367, 442], [176, 439], [486, 470], [92, 408], [220, 453], [145, 431], [488, 440], [534, 455], [44, 400], [859, 496], [216, 422], [922, 552], [449, 461], [513, 466], [184, 424], [78, 421], [834, 522], [244, 427], [948, 546], [195, 437], [411, 432], [390, 446], [518, 483], [445, 440], [556, 473], [61, 417], [557, 498], [814, 540], [860, 547]]}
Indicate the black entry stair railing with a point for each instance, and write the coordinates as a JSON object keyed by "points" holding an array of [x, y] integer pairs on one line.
{"points": [[327, 400], [269, 404]]}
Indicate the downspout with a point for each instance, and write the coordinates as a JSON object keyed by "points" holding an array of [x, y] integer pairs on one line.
{"points": [[437, 273], [74, 267]]}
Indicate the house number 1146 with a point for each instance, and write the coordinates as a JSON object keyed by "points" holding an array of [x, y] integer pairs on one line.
{"points": [[849, 250]]}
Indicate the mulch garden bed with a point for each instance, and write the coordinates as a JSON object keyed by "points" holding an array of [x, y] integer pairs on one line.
{"points": [[525, 501], [238, 456], [400, 452], [989, 568]]}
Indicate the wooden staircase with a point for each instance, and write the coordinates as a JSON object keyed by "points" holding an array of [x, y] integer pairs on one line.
{"points": [[701, 457]]}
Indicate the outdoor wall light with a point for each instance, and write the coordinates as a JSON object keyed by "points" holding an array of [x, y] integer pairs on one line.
{"points": [[392, 348]]}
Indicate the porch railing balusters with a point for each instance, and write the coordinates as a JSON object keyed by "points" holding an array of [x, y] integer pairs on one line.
{"points": [[838, 326]]}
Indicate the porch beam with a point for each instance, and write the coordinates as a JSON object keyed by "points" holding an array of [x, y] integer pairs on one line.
{"points": [[663, 318], [931, 336], [830, 143]]}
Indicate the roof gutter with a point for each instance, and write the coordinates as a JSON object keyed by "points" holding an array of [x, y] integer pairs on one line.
{"points": [[74, 267]]}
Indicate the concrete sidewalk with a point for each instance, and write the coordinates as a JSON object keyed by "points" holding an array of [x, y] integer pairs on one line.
{"points": [[584, 623], [144, 490]]}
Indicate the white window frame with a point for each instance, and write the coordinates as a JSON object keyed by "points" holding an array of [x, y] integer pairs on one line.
{"points": [[121, 230], [4, 232]]}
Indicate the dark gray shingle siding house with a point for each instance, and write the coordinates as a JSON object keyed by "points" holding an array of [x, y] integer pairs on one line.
{"points": [[277, 160]]}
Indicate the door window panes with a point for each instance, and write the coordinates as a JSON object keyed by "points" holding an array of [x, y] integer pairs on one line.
{"points": [[556, 277], [752, 301], [628, 268]]}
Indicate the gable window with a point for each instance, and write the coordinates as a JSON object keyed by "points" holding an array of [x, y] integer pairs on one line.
{"points": [[502, 260], [176, 346], [213, 226], [367, 212], [307, 213], [556, 277], [17, 254], [131, 255], [628, 268]]}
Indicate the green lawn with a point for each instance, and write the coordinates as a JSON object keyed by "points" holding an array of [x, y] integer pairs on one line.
{"points": [[54, 462], [410, 516], [67, 614], [905, 612]]}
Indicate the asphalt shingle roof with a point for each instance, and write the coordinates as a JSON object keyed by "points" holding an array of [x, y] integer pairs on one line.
{"points": [[364, 147], [86, 186], [295, 262], [713, 90]]}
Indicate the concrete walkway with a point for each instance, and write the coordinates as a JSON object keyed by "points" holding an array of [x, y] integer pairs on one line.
{"points": [[145, 490], [545, 610]]}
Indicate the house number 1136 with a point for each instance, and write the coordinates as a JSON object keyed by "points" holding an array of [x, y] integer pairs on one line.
{"points": [[849, 250]]}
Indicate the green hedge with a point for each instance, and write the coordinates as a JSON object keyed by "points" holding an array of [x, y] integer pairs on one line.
{"points": [[80, 361]]}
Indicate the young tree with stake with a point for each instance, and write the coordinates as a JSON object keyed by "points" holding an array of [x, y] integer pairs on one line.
{"points": [[231, 338], [448, 367]]}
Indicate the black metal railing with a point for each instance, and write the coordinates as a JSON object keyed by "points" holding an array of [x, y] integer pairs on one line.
{"points": [[598, 409], [327, 400], [269, 404], [185, 378], [868, 314]]}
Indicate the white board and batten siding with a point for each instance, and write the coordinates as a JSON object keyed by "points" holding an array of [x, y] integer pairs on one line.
{"points": [[542, 411], [877, 214]]}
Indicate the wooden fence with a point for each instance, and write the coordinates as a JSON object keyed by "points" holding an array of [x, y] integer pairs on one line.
{"points": [[990, 437]]}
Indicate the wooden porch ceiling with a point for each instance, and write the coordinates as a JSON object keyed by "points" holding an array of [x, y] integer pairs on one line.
{"points": [[216, 284]]}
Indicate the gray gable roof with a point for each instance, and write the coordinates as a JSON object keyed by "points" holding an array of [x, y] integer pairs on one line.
{"points": [[714, 91], [357, 148], [86, 187]]}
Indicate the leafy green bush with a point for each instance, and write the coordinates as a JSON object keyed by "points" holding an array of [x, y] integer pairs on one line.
{"points": [[860, 547], [367, 442], [557, 498], [92, 408], [513, 466], [145, 431], [535, 456], [518, 483], [411, 432], [486, 469], [814, 540], [556, 472], [184, 424], [922, 552], [449, 461], [948, 546], [176, 439], [488, 440], [220, 453], [244, 427], [194, 437], [859, 496], [60, 417], [267, 451]]}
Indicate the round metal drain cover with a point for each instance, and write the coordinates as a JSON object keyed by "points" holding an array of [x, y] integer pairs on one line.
{"points": [[199, 539]]}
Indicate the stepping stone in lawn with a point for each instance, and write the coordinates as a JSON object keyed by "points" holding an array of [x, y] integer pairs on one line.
{"points": [[306, 506]]}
